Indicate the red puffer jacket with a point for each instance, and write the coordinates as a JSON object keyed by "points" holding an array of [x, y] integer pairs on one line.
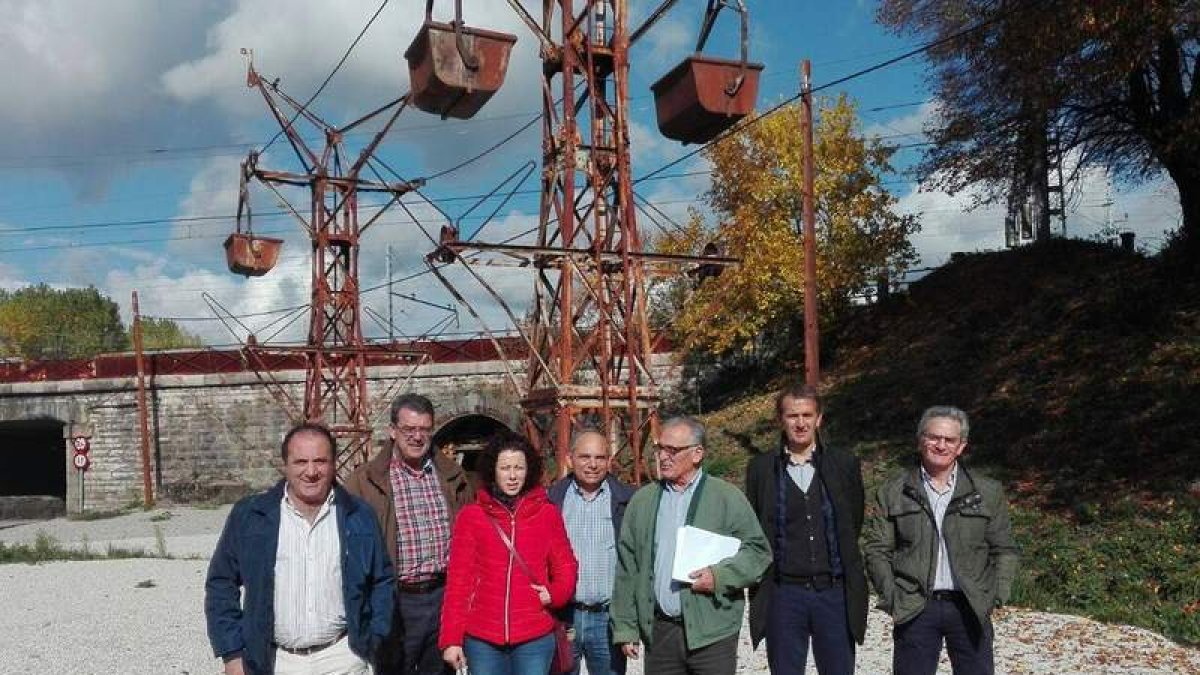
{"points": [[488, 594]]}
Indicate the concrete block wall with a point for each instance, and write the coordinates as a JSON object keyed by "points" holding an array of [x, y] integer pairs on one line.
{"points": [[219, 434]]}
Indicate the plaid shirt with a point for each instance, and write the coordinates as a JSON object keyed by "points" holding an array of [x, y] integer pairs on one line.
{"points": [[422, 522], [590, 529]]}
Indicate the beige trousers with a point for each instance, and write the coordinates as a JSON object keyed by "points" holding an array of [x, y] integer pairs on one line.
{"points": [[336, 659]]}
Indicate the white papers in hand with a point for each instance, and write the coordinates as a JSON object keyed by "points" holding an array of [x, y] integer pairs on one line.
{"points": [[696, 548]]}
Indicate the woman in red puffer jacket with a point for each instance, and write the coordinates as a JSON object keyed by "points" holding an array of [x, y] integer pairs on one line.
{"points": [[495, 616]]}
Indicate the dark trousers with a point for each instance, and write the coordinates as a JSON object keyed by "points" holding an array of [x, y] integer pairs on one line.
{"points": [[798, 614], [412, 649], [945, 617], [667, 653]]}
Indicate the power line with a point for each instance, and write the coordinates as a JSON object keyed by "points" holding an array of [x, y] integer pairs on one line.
{"points": [[170, 220], [841, 80], [486, 152], [335, 70]]}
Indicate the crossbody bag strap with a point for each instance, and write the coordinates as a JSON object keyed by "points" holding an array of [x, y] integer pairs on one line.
{"points": [[511, 549]]}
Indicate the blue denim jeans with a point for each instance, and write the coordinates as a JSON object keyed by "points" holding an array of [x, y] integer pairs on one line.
{"points": [[528, 658], [593, 642]]}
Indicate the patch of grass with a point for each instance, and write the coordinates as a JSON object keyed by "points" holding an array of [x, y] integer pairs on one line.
{"points": [[98, 515], [46, 548], [160, 542], [1137, 566], [161, 516]]}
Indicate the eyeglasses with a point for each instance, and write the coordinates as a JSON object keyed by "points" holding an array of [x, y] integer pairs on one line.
{"points": [[672, 450], [934, 439], [412, 431]]}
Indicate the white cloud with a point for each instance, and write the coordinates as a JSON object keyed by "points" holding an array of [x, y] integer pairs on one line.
{"points": [[80, 79], [905, 128], [948, 225], [303, 49]]}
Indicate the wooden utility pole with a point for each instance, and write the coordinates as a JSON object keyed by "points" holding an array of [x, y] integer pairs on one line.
{"points": [[812, 335], [143, 415]]}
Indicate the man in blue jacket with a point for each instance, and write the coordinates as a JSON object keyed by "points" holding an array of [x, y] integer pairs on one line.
{"points": [[317, 578], [593, 502]]}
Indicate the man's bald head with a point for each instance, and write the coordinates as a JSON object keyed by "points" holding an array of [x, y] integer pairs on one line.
{"points": [[590, 459]]}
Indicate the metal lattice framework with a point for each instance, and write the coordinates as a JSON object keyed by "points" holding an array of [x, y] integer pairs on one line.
{"points": [[335, 354], [589, 312], [590, 344], [587, 333]]}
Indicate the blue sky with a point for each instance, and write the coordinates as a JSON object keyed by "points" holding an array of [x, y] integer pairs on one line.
{"points": [[125, 122]]}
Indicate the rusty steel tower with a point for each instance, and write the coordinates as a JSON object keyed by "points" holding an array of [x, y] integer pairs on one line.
{"points": [[587, 332], [588, 319], [335, 354]]}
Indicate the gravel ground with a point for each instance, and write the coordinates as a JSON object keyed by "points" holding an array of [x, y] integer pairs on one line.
{"points": [[145, 616], [186, 532]]}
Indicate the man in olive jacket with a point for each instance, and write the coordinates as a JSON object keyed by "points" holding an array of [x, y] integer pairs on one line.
{"points": [[809, 500], [687, 627], [940, 553]]}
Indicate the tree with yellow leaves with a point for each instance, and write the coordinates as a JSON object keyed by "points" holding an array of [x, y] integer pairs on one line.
{"points": [[756, 194]]}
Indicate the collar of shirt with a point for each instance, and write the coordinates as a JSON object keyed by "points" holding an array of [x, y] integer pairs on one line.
{"points": [[690, 487], [426, 465], [585, 496], [788, 456], [928, 480], [287, 504]]}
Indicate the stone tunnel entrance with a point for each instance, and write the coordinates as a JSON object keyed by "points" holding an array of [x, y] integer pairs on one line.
{"points": [[34, 481], [463, 437]]}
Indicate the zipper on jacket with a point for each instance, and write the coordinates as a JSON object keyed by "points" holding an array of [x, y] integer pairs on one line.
{"points": [[937, 537], [508, 578]]}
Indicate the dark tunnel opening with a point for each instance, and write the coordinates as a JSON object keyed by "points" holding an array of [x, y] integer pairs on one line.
{"points": [[35, 458]]}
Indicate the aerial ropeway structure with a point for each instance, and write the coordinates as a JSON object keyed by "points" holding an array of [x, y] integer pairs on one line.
{"points": [[589, 341]]}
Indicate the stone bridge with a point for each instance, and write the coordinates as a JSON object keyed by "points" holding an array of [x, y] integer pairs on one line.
{"points": [[214, 426]]}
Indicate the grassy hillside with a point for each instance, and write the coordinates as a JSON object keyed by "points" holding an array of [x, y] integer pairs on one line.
{"points": [[1080, 366]]}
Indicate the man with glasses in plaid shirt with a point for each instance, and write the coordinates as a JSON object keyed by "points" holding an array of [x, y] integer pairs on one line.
{"points": [[415, 493]]}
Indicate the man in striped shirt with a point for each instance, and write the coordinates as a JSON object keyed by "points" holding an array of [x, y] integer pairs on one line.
{"points": [[415, 492], [593, 503]]}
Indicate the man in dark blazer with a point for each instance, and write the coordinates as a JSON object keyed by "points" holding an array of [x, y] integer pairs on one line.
{"points": [[809, 500]]}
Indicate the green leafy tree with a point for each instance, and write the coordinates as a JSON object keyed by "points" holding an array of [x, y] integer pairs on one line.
{"points": [[40, 322], [757, 184], [166, 334], [1115, 81]]}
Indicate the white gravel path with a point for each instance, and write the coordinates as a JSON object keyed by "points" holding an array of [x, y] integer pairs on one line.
{"points": [[145, 616]]}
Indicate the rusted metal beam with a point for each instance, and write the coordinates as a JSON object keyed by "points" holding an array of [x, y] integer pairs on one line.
{"points": [[143, 410]]}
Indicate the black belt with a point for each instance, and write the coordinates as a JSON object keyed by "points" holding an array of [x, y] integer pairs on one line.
{"points": [[592, 607], [817, 582], [947, 596], [421, 586], [663, 616], [312, 649]]}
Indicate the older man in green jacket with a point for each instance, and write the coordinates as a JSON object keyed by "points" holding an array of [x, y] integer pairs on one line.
{"points": [[691, 627], [940, 553]]}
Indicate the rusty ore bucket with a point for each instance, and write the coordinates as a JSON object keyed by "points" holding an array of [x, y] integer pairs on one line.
{"points": [[692, 102], [250, 255], [442, 83]]}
